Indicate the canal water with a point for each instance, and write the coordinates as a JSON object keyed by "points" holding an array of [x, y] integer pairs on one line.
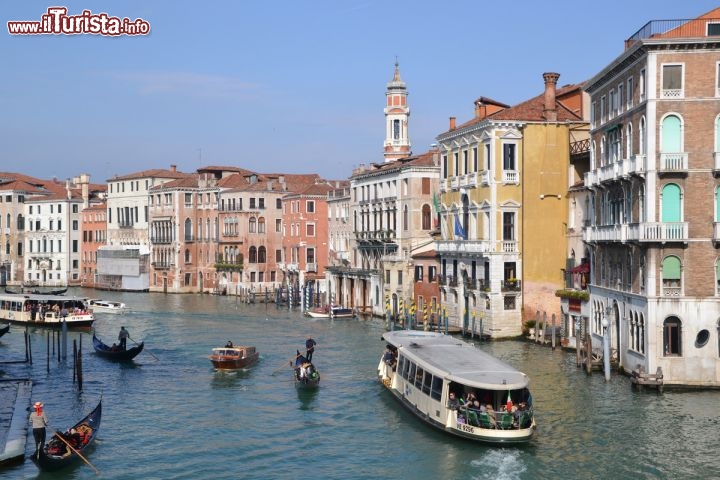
{"points": [[170, 416]]}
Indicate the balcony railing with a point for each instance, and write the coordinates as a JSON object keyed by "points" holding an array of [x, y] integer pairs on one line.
{"points": [[511, 176], [658, 232], [311, 267], [673, 162]]}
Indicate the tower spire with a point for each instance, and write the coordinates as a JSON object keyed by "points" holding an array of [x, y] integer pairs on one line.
{"points": [[397, 113]]}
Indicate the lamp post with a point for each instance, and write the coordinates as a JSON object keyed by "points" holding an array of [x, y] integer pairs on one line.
{"points": [[606, 343]]}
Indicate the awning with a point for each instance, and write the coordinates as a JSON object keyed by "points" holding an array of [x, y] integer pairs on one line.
{"points": [[582, 268]]}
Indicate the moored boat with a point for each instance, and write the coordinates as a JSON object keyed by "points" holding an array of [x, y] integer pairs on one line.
{"points": [[45, 310], [331, 312], [107, 306], [455, 387], [231, 357], [305, 374], [114, 352], [4, 330], [59, 452]]}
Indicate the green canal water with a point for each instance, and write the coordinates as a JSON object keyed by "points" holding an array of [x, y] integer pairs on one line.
{"points": [[169, 415]]}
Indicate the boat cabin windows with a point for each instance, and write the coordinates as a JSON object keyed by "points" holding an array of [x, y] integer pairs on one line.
{"points": [[423, 380]]}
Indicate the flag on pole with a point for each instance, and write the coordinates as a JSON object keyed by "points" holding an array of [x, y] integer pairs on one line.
{"points": [[459, 230]]}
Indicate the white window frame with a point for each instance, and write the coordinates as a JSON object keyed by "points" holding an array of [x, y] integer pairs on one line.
{"points": [[672, 92]]}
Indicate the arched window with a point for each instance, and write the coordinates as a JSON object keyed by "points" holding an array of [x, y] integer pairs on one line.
{"points": [[642, 147], [252, 226], [253, 255], [717, 278], [671, 203], [671, 276], [261, 225], [629, 141], [717, 135], [671, 134], [672, 337], [426, 217], [262, 255], [188, 230]]}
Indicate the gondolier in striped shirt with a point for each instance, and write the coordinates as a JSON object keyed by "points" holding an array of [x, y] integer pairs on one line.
{"points": [[39, 421]]}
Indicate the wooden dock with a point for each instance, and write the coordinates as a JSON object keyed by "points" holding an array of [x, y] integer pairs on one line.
{"points": [[642, 379], [13, 449]]}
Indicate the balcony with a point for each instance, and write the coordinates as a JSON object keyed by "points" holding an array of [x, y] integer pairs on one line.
{"points": [[658, 232], [511, 176], [476, 246], [673, 163], [160, 240], [485, 178], [162, 265], [510, 285], [311, 267], [716, 167], [229, 266], [606, 233]]}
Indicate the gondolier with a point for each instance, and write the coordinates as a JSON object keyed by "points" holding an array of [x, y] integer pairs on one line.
{"points": [[310, 348], [123, 336], [39, 421]]}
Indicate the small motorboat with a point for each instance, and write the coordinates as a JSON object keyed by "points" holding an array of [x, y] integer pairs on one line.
{"points": [[115, 352], [334, 311], [232, 357], [59, 452], [107, 306]]}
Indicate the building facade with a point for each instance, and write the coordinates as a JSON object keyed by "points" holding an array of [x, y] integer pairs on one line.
{"points": [[655, 202], [503, 209]]}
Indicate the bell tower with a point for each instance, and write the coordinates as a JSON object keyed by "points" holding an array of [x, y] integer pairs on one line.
{"points": [[397, 142]]}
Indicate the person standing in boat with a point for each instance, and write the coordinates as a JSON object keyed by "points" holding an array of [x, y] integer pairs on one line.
{"points": [[123, 336], [310, 348], [38, 420]]}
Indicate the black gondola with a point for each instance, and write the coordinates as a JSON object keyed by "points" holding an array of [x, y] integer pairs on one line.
{"points": [[4, 330], [56, 453], [116, 353]]}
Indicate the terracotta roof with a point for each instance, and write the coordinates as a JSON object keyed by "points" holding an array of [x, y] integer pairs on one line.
{"points": [[424, 159], [152, 173], [431, 254], [532, 110]]}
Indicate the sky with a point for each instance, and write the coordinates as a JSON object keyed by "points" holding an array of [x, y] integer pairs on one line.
{"points": [[285, 86]]}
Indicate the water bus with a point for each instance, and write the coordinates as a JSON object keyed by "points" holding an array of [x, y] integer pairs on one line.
{"points": [[45, 310], [452, 385]]}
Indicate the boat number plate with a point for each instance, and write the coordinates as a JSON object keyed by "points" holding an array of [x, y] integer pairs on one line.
{"points": [[466, 428]]}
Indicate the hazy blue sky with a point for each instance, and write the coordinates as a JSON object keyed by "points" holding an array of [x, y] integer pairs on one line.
{"points": [[285, 86]]}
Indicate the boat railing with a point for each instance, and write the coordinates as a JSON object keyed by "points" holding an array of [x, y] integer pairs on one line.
{"points": [[496, 419]]}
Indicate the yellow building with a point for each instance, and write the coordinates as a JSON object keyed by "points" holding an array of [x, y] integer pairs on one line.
{"points": [[503, 211]]}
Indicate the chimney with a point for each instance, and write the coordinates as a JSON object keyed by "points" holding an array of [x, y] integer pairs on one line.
{"points": [[452, 123], [173, 168], [550, 108]]}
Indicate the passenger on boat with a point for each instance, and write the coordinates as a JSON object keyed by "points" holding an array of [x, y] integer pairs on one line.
{"points": [[229, 344], [453, 403], [74, 438]]}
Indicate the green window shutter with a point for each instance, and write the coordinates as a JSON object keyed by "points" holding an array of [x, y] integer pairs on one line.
{"points": [[671, 203], [671, 268], [671, 135]]}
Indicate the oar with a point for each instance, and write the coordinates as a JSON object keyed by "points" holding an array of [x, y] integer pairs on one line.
{"points": [[57, 434], [284, 363], [136, 343]]}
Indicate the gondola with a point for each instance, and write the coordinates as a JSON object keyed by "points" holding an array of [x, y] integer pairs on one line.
{"points": [[56, 453], [305, 374], [4, 330], [116, 354]]}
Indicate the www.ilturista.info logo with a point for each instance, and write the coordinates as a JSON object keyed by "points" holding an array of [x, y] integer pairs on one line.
{"points": [[57, 22]]}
